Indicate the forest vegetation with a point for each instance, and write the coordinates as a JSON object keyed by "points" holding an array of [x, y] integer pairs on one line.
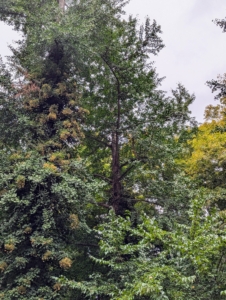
{"points": [[109, 189]]}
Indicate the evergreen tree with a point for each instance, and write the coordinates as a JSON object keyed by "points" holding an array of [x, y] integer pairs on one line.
{"points": [[45, 190]]}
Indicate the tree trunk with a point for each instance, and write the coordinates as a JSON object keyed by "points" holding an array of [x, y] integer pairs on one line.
{"points": [[62, 4], [116, 182]]}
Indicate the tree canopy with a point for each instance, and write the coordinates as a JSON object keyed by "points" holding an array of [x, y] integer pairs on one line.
{"points": [[108, 190]]}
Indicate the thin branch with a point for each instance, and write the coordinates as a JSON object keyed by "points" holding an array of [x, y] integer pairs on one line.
{"points": [[126, 172], [102, 204], [99, 141], [146, 201], [127, 162], [87, 245], [103, 177], [219, 264], [141, 158]]}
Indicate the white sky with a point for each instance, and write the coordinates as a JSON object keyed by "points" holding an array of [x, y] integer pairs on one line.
{"points": [[194, 46]]}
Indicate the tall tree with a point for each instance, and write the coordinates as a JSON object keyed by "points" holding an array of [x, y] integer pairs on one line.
{"points": [[45, 190], [132, 126], [86, 60]]}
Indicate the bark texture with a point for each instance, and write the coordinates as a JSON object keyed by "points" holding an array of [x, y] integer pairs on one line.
{"points": [[62, 4]]}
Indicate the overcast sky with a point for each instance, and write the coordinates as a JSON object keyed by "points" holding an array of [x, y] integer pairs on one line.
{"points": [[194, 46]]}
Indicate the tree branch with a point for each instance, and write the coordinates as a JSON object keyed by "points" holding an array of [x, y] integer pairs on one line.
{"points": [[103, 177], [126, 172], [99, 141], [87, 245], [102, 205], [12, 13], [146, 201], [141, 158]]}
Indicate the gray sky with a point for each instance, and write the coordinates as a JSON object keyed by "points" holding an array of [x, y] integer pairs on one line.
{"points": [[194, 46]]}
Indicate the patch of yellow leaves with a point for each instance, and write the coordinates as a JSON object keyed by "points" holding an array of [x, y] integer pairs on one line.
{"points": [[9, 247], [65, 263], [50, 167], [74, 220], [3, 266]]}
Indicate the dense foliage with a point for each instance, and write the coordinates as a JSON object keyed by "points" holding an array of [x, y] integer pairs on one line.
{"points": [[107, 189]]}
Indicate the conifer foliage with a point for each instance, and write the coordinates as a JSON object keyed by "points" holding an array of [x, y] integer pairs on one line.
{"points": [[44, 188]]}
